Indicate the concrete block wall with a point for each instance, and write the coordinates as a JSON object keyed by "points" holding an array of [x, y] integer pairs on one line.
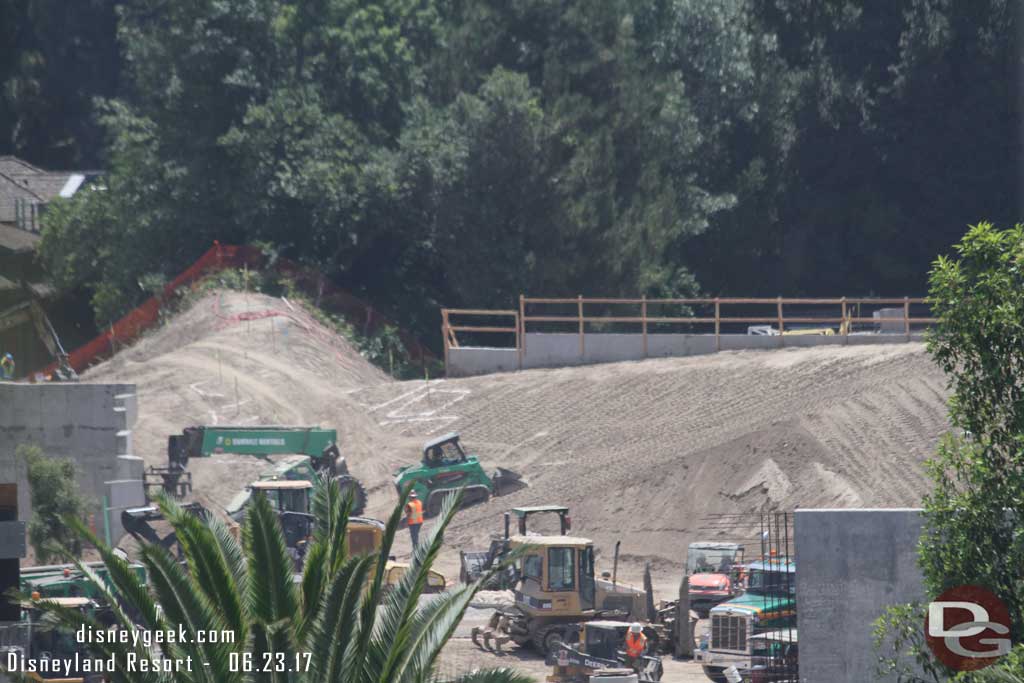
{"points": [[87, 423], [851, 565], [554, 350]]}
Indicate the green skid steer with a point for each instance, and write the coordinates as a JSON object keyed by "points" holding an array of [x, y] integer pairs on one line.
{"points": [[446, 468]]}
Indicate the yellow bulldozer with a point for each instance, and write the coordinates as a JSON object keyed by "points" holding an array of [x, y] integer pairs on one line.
{"points": [[555, 590]]}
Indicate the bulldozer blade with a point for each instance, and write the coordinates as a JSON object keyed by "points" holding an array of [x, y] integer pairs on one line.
{"points": [[506, 481]]}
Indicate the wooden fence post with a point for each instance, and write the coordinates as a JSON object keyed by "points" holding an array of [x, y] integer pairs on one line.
{"points": [[444, 333], [906, 316], [781, 328], [522, 327], [643, 319], [579, 313], [845, 326], [718, 324]]}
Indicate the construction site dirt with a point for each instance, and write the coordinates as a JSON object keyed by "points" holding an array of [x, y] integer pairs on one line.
{"points": [[641, 452]]}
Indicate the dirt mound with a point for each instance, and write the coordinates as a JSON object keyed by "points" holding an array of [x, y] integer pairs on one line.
{"points": [[652, 453], [247, 359], [655, 453]]}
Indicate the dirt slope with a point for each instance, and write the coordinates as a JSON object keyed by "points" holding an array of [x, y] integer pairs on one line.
{"points": [[643, 452], [248, 359], [650, 453]]}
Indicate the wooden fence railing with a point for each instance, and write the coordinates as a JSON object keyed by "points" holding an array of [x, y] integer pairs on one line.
{"points": [[849, 314]]}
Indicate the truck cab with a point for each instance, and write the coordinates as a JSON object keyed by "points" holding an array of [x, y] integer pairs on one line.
{"points": [[769, 604]]}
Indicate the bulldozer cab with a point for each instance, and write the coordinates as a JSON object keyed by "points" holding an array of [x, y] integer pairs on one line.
{"points": [[556, 575], [444, 451]]}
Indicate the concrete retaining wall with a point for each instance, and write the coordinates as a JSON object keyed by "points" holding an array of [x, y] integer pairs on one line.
{"points": [[552, 350], [851, 565], [87, 423]]}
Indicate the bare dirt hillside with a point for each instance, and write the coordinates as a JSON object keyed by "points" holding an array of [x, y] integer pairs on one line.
{"points": [[649, 453], [249, 359], [653, 453]]}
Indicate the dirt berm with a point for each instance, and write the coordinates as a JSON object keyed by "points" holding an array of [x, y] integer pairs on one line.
{"points": [[651, 453]]}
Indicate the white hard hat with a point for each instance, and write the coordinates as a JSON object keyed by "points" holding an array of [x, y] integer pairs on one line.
{"points": [[413, 495], [636, 627]]}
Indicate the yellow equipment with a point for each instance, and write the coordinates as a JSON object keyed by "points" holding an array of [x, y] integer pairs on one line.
{"points": [[555, 591], [365, 536]]}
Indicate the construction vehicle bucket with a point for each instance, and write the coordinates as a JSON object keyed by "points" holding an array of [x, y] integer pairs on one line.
{"points": [[506, 480]]}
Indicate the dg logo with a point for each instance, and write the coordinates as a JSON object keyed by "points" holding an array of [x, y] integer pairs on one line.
{"points": [[968, 628]]}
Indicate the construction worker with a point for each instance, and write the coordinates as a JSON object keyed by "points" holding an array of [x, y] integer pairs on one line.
{"points": [[414, 517], [636, 643], [7, 366]]}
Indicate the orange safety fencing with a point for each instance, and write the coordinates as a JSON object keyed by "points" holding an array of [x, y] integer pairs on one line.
{"points": [[220, 257]]}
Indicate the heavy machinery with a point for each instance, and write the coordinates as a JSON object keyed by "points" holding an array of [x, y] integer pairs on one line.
{"points": [[445, 468], [555, 591], [715, 574], [597, 656], [53, 653], [475, 563], [66, 581], [317, 448], [365, 536], [769, 604], [291, 500]]}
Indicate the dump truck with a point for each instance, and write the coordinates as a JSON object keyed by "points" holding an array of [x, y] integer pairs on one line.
{"points": [[445, 468], [317, 450], [555, 591], [597, 656], [769, 604]]}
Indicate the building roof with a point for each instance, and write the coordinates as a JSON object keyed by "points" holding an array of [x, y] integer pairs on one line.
{"points": [[15, 239], [46, 186], [10, 164]]}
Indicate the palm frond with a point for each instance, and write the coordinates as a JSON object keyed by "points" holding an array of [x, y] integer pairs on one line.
{"points": [[271, 589], [499, 675]]}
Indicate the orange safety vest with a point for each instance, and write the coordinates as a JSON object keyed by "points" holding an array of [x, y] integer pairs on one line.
{"points": [[414, 511], [635, 644]]}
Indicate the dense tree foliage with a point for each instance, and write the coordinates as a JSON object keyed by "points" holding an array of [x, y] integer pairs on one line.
{"points": [[459, 152], [55, 496]]}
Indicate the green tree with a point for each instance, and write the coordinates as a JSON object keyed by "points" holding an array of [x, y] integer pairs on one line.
{"points": [[974, 517], [339, 613], [975, 514], [55, 497]]}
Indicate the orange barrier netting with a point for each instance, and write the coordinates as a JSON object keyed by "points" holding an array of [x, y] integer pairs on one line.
{"points": [[217, 258]]}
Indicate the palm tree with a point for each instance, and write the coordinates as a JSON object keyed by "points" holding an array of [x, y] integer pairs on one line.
{"points": [[335, 625]]}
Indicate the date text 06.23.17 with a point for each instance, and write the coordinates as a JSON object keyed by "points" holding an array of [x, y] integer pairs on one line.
{"points": [[247, 662]]}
